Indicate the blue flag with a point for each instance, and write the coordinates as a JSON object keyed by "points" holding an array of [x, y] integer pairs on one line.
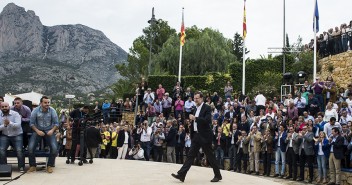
{"points": [[316, 16]]}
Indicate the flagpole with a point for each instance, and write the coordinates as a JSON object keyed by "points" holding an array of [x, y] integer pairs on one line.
{"points": [[181, 43], [179, 64], [315, 43], [315, 49], [244, 67]]}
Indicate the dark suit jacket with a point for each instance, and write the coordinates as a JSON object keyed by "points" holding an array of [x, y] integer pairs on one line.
{"points": [[121, 138], [203, 120], [282, 142], [222, 141], [235, 137], [93, 138], [227, 115], [338, 147], [308, 144], [171, 137], [182, 139]]}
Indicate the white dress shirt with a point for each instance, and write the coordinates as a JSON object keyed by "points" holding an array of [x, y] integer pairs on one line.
{"points": [[195, 128]]}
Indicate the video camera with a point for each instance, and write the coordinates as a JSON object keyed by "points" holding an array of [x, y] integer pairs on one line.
{"points": [[86, 121]]}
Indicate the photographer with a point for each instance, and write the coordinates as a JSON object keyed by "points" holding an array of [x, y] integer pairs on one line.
{"points": [[146, 133], [137, 153], [77, 116], [158, 140]]}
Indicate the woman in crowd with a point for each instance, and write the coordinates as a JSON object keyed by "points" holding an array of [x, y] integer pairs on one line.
{"points": [[330, 112], [322, 151]]}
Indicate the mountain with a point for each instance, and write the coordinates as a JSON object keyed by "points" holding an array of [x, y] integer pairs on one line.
{"points": [[53, 60]]}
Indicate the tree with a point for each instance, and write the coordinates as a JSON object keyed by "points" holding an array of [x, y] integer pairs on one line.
{"points": [[206, 50], [138, 57], [237, 46]]}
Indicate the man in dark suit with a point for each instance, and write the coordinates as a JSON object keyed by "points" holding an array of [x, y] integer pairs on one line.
{"points": [[336, 154], [201, 135], [123, 142], [233, 137], [306, 152], [180, 144], [93, 139], [231, 114]]}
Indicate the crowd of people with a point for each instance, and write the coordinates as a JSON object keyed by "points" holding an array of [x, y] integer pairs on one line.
{"points": [[333, 41], [312, 125]]}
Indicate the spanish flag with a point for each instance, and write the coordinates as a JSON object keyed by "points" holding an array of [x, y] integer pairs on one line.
{"points": [[244, 21], [183, 33]]}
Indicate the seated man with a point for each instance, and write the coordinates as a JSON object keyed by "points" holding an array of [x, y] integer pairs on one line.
{"points": [[137, 153], [44, 121], [10, 125]]}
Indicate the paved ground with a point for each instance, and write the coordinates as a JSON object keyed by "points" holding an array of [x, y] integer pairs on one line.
{"points": [[106, 172]]}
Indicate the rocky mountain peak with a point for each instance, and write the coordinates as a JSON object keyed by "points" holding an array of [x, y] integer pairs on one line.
{"points": [[27, 47]]}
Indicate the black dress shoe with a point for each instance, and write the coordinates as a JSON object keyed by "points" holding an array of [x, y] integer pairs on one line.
{"points": [[216, 179], [179, 177]]}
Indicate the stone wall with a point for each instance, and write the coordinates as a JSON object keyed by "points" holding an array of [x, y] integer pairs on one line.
{"points": [[346, 177], [128, 116], [341, 66]]}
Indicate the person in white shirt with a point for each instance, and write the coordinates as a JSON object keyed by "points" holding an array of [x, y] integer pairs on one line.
{"points": [[288, 100], [146, 133], [189, 106], [328, 126], [123, 142], [260, 102], [345, 118], [330, 112], [137, 153]]}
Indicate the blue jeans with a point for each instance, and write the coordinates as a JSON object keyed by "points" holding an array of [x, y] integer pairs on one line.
{"points": [[33, 142], [321, 160], [279, 154], [17, 143], [146, 148], [219, 155]]}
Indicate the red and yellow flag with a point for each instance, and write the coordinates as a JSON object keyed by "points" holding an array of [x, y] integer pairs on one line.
{"points": [[244, 21], [183, 33]]}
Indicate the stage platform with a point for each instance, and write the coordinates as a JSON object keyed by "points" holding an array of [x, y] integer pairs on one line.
{"points": [[127, 172]]}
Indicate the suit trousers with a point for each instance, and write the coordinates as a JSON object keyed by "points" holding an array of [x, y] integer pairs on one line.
{"points": [[232, 156], [192, 154], [241, 156], [122, 151], [170, 154], [253, 160], [179, 153], [334, 169], [292, 162], [267, 163], [303, 159]]}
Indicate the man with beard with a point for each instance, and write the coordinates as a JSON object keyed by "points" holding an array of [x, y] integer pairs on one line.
{"points": [[44, 121], [25, 113], [10, 126]]}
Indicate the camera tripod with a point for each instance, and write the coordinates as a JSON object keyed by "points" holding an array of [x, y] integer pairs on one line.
{"points": [[82, 159]]}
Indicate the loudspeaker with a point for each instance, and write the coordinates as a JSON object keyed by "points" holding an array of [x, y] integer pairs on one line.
{"points": [[5, 170]]}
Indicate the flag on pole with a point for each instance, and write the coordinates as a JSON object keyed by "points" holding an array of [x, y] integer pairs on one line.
{"points": [[183, 33], [316, 16], [244, 21]]}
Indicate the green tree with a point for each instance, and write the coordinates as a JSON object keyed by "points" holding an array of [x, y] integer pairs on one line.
{"points": [[206, 50], [237, 46], [138, 56]]}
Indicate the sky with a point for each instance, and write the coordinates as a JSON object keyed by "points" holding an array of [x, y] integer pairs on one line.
{"points": [[122, 21]]}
